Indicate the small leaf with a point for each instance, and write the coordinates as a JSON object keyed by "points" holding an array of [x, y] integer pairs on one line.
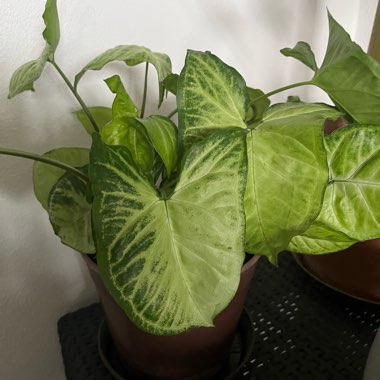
{"points": [[350, 210], [46, 176], [148, 247], [122, 105], [163, 133], [170, 83], [258, 101], [24, 77], [51, 33], [132, 55], [70, 212], [131, 133], [211, 96], [303, 53], [101, 115]]}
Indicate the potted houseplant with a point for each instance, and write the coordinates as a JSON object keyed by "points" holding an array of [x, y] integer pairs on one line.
{"points": [[171, 212]]}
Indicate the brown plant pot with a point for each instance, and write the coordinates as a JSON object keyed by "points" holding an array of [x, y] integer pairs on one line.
{"points": [[354, 271], [197, 354]]}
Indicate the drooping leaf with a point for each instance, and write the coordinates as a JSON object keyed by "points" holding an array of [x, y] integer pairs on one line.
{"points": [[51, 33], [130, 133], [259, 103], [24, 77], [302, 52], [163, 134], [211, 96], [350, 77], [132, 55], [46, 176], [350, 210], [287, 175], [70, 212], [148, 247], [171, 83], [101, 115], [123, 104]]}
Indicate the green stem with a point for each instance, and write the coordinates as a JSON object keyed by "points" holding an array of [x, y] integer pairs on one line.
{"points": [[281, 89], [75, 93], [171, 114], [145, 90], [46, 160]]}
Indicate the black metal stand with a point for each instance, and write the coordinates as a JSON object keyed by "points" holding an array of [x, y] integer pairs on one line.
{"points": [[303, 330]]}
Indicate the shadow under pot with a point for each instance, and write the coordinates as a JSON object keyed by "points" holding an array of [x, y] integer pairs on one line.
{"points": [[199, 353], [354, 271]]}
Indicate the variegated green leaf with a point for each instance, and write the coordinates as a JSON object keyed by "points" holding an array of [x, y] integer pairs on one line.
{"points": [[24, 77], [132, 55], [51, 33], [350, 210], [163, 134], [211, 96], [46, 176], [70, 212], [148, 247], [101, 115], [287, 175]]}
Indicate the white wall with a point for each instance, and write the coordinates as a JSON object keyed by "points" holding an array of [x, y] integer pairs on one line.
{"points": [[40, 279]]}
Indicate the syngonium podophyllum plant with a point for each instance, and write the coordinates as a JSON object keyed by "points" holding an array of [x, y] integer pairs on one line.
{"points": [[170, 212]]}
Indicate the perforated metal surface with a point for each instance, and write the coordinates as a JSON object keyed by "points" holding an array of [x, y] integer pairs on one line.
{"points": [[303, 330]]}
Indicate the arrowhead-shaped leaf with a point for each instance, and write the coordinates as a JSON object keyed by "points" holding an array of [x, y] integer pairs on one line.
{"points": [[24, 77], [350, 210], [302, 52], [350, 77], [287, 175], [211, 96], [70, 212], [148, 247], [46, 176], [163, 134], [132, 55]]}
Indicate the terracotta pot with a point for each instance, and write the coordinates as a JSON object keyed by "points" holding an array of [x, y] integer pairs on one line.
{"points": [[197, 354], [354, 271]]}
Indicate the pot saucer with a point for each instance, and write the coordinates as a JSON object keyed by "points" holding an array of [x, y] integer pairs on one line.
{"points": [[312, 275], [240, 352]]}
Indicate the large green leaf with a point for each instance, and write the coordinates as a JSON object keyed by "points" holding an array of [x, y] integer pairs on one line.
{"points": [[163, 133], [211, 95], [46, 176], [287, 175], [101, 115], [24, 77], [350, 210], [51, 33], [303, 53], [70, 212], [174, 263], [132, 55]]}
